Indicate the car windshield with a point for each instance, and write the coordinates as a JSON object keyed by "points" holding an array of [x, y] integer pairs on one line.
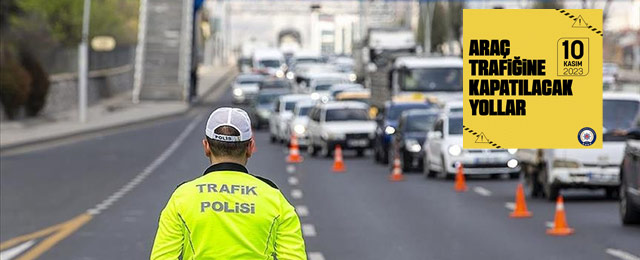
{"points": [[394, 112], [264, 99], [455, 126], [619, 114], [303, 111], [308, 60], [290, 105], [431, 79], [420, 123], [274, 84], [346, 114], [269, 63], [249, 80]]}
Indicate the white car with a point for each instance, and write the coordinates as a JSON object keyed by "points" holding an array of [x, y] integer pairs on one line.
{"points": [[298, 123], [550, 170], [246, 87], [443, 150], [320, 83], [344, 123], [282, 112]]}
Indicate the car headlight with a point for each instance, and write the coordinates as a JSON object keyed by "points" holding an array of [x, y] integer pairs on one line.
{"points": [[353, 77], [412, 145], [512, 151], [290, 75], [389, 130], [315, 96], [299, 129], [279, 73], [237, 92], [455, 150], [565, 164], [513, 163]]}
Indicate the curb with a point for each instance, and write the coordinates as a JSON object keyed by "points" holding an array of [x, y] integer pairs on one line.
{"points": [[88, 131]]}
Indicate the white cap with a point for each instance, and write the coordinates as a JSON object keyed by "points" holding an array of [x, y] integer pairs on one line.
{"points": [[228, 116]]}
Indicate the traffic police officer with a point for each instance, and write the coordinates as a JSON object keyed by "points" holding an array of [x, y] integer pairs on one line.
{"points": [[228, 213]]}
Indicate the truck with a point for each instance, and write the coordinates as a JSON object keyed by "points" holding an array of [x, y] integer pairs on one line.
{"points": [[548, 171], [373, 61]]}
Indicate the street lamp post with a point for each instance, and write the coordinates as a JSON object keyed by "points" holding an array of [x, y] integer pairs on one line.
{"points": [[83, 63]]}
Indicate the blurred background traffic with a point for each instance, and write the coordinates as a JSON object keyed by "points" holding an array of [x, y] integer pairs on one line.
{"points": [[94, 91]]}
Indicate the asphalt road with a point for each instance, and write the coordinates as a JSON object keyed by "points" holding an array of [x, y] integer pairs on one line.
{"points": [[358, 214]]}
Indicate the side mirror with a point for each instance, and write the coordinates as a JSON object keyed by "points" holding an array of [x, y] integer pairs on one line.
{"points": [[434, 135]]}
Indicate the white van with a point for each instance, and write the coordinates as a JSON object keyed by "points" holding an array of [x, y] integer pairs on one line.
{"points": [[269, 61]]}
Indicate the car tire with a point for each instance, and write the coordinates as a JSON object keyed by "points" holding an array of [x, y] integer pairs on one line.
{"points": [[551, 191], [312, 149], [443, 170], [384, 156], [629, 212], [325, 151], [426, 170], [533, 182], [272, 138], [611, 193], [406, 167], [376, 154]]}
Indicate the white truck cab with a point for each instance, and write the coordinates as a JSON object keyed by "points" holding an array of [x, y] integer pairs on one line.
{"points": [[435, 77]]}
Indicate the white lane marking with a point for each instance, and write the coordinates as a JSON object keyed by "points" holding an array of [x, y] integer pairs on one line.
{"points": [[296, 194], [549, 224], [482, 191], [147, 171], [292, 180], [510, 205], [308, 230], [291, 168], [315, 256], [302, 210], [15, 251], [621, 254]]}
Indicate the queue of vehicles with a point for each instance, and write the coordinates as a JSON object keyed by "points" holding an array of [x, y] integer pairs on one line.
{"points": [[409, 106]]}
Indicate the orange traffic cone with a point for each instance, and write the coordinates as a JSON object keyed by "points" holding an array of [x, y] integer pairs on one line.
{"points": [[338, 163], [521, 206], [396, 173], [294, 151], [560, 226], [460, 185]]}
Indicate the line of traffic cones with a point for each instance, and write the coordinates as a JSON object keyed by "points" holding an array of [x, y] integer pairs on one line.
{"points": [[338, 162], [560, 226], [294, 150]]}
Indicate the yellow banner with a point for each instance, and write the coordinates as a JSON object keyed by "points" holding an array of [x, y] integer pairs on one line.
{"points": [[532, 78]]}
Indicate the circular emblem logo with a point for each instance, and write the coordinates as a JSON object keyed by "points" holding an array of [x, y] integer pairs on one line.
{"points": [[586, 136]]}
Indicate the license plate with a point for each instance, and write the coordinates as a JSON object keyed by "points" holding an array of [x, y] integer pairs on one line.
{"points": [[358, 142], [486, 160]]}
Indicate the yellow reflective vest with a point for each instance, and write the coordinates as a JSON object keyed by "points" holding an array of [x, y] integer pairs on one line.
{"points": [[228, 214]]}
